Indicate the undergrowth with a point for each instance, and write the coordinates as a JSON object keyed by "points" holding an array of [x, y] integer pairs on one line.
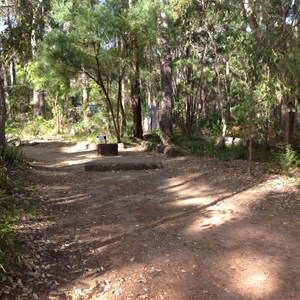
{"points": [[13, 203], [282, 154]]}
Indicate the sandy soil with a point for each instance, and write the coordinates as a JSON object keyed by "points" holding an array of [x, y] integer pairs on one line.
{"points": [[196, 229]]}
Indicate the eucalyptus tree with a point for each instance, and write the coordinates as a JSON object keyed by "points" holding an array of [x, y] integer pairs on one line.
{"points": [[165, 56], [86, 41]]}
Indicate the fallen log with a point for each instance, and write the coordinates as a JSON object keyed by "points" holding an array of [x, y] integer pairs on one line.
{"points": [[104, 167]]}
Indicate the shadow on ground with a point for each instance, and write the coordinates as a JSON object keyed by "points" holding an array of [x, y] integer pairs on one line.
{"points": [[197, 229]]}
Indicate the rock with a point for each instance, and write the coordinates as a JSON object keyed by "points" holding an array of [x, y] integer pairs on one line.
{"points": [[147, 145], [172, 151], [229, 141], [160, 148], [239, 142], [152, 137]]}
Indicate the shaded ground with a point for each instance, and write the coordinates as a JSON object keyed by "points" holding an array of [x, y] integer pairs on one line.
{"points": [[196, 229]]}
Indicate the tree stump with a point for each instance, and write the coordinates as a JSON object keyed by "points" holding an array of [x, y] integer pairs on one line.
{"points": [[108, 149]]}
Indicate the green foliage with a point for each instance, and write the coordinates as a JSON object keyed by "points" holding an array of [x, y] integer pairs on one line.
{"points": [[7, 219], [287, 157], [39, 127], [11, 155], [211, 126], [211, 149], [13, 203]]}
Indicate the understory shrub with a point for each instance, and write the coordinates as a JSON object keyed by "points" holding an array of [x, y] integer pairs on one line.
{"points": [[13, 203], [286, 156], [211, 149], [283, 154], [11, 155]]}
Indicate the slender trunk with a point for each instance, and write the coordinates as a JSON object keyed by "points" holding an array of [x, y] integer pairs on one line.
{"points": [[250, 15], [119, 103], [220, 100], [136, 102], [85, 97], [57, 114], [12, 70], [250, 137], [122, 107], [38, 95], [108, 101], [228, 89], [2, 108], [285, 119], [166, 76]]}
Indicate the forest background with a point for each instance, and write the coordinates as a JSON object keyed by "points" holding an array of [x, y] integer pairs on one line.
{"points": [[123, 68], [199, 74]]}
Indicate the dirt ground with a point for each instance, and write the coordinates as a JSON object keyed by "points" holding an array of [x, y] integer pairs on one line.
{"points": [[196, 229]]}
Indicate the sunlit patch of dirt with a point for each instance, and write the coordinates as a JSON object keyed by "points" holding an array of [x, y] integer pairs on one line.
{"points": [[196, 229]]}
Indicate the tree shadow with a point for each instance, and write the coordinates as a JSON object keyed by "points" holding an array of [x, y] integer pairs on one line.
{"points": [[189, 231]]}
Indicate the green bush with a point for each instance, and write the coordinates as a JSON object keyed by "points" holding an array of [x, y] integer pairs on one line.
{"points": [[286, 156], [7, 218], [13, 202], [11, 155], [211, 149]]}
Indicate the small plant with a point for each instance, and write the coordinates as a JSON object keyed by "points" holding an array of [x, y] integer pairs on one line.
{"points": [[11, 155], [287, 157], [7, 218]]}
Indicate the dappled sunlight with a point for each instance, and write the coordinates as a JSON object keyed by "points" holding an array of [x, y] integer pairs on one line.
{"points": [[192, 202], [78, 148], [68, 200], [253, 275], [213, 216], [183, 188], [78, 161], [185, 231]]}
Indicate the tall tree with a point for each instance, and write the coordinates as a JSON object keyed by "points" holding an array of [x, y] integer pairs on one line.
{"points": [[2, 107], [135, 94], [166, 104]]}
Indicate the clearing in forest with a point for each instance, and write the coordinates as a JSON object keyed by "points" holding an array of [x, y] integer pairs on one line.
{"points": [[194, 229]]}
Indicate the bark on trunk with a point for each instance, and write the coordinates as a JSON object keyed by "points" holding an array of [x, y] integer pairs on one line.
{"points": [[39, 103], [2, 108], [228, 90], [166, 76], [85, 97], [285, 119], [136, 102]]}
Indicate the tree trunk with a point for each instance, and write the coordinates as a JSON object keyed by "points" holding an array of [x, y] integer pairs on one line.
{"points": [[108, 101], [39, 103], [166, 104], [122, 108], [2, 108], [136, 102], [248, 10], [38, 95], [228, 89], [85, 97], [285, 119], [189, 96]]}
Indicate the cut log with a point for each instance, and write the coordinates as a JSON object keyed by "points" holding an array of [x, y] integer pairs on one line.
{"points": [[104, 167]]}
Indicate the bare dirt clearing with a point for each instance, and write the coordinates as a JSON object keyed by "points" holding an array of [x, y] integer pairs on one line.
{"points": [[196, 229]]}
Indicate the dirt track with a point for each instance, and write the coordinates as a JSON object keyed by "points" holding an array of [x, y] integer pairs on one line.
{"points": [[196, 229]]}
